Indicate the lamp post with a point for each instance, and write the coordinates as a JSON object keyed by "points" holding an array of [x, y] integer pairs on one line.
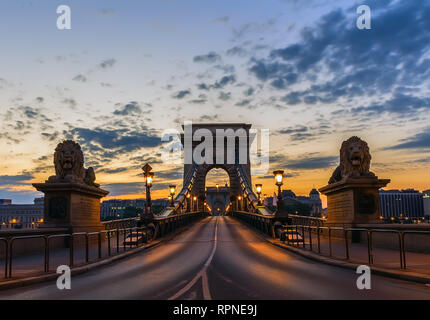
{"points": [[149, 177], [279, 175], [194, 203], [239, 206], [259, 186], [172, 193], [188, 202]]}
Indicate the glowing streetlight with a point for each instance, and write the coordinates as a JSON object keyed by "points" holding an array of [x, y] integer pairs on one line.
{"points": [[279, 175], [172, 193], [149, 177], [259, 187]]}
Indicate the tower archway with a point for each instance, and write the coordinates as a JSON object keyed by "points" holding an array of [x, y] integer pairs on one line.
{"points": [[233, 132]]}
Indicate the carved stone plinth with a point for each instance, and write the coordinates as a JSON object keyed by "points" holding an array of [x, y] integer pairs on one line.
{"points": [[71, 205], [353, 201]]}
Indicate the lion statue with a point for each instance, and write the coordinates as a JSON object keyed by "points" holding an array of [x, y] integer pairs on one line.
{"points": [[354, 160], [69, 165]]}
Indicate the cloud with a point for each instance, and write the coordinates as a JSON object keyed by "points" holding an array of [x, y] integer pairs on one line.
{"points": [[224, 81], [299, 129], [312, 163], [419, 141], [129, 109], [71, 102], [104, 144], [249, 92], [237, 51], [15, 180], [122, 188], [224, 96], [243, 103], [80, 78], [224, 19], [114, 170], [379, 62], [211, 57], [181, 94], [107, 63]]}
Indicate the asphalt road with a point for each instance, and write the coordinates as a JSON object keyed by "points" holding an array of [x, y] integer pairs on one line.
{"points": [[220, 258]]}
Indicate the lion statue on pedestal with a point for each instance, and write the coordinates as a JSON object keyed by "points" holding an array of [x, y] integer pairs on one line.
{"points": [[69, 165], [354, 160]]}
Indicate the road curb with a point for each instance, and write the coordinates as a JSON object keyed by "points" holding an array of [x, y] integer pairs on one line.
{"points": [[17, 283], [399, 275]]}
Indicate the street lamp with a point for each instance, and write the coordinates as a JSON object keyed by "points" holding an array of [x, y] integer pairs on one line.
{"points": [[188, 202], [149, 177], [194, 203], [259, 186], [172, 193], [239, 198], [279, 174]]}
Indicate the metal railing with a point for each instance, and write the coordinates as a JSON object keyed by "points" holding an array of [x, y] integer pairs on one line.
{"points": [[70, 238], [120, 223], [345, 232], [306, 220], [100, 239]]}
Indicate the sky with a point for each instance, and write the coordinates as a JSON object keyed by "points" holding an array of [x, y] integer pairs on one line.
{"points": [[127, 70]]}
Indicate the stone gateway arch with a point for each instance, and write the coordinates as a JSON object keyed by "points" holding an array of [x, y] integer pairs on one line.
{"points": [[239, 173]]}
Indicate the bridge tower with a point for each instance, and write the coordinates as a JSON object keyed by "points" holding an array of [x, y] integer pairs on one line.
{"points": [[237, 132]]}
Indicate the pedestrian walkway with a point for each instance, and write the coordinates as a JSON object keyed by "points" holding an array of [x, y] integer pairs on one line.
{"points": [[358, 253], [33, 264]]}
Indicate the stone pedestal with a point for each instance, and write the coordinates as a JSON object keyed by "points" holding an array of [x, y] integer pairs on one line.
{"points": [[353, 201], [72, 205]]}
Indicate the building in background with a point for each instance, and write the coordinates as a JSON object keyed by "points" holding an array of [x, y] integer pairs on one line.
{"points": [[401, 203], [21, 216], [426, 200], [300, 205], [5, 201], [125, 208], [116, 208]]}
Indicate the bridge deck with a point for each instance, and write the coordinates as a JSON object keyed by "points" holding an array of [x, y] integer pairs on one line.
{"points": [[219, 258]]}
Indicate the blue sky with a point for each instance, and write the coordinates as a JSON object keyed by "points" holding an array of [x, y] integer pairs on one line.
{"points": [[129, 69]]}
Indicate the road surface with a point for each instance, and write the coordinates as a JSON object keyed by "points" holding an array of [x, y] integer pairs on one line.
{"points": [[219, 258]]}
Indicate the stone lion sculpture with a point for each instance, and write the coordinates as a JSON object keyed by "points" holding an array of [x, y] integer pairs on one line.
{"points": [[354, 160], [69, 165]]}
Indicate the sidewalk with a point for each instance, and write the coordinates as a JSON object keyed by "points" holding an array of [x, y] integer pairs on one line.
{"points": [[33, 264], [384, 258], [386, 261]]}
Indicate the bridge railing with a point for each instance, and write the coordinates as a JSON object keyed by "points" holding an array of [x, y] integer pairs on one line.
{"points": [[180, 203], [264, 223], [120, 223], [88, 247], [318, 238], [307, 220]]}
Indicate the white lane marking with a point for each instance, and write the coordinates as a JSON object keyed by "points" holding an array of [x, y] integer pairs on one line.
{"points": [[201, 273], [205, 285]]}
